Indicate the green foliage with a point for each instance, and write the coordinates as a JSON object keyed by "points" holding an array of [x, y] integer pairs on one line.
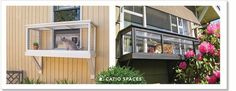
{"points": [[31, 81], [65, 82], [120, 75], [36, 43]]}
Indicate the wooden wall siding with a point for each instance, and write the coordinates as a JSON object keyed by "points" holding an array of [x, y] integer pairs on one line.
{"points": [[54, 68]]}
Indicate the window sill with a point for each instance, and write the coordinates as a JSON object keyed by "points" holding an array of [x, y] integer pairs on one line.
{"points": [[61, 53]]}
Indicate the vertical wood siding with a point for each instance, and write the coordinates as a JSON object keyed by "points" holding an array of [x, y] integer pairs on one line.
{"points": [[54, 69]]}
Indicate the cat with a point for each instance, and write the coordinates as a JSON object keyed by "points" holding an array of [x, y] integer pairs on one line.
{"points": [[70, 45], [167, 49]]}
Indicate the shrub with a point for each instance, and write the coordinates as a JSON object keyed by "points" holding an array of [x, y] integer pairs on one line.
{"points": [[204, 68], [120, 75], [65, 82], [31, 81]]}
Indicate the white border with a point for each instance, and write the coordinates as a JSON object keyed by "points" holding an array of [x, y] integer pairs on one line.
{"points": [[111, 3]]}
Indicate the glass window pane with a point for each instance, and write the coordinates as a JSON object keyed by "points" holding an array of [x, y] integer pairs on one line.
{"points": [[171, 45], [186, 28], [186, 45], [129, 8], [66, 13], [148, 42], [180, 22], [157, 18], [181, 31], [133, 18], [67, 39], [137, 9], [127, 43], [173, 19], [64, 7], [174, 29]]}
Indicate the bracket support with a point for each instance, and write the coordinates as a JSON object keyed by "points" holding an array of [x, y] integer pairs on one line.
{"points": [[39, 63], [91, 65]]}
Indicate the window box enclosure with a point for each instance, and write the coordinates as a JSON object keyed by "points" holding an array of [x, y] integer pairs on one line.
{"points": [[76, 39], [136, 42]]}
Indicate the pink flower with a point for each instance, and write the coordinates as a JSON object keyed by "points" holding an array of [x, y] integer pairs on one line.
{"points": [[203, 47], [183, 65], [211, 28], [189, 54], [216, 73], [206, 47], [199, 57], [211, 49], [212, 79]]}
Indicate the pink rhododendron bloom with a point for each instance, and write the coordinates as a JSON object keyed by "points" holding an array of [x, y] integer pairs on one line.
{"points": [[212, 79], [211, 28], [199, 57], [203, 47], [183, 65], [216, 73], [206, 47], [211, 48], [189, 54]]}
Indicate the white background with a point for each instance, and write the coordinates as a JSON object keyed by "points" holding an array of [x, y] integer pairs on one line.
{"points": [[232, 53]]}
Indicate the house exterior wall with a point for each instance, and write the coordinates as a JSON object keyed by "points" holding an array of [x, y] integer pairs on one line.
{"points": [[54, 69]]}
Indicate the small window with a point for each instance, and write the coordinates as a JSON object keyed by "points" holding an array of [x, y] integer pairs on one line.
{"points": [[66, 13], [67, 37]]}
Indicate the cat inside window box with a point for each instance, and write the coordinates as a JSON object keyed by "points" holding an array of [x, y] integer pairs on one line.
{"points": [[67, 44]]}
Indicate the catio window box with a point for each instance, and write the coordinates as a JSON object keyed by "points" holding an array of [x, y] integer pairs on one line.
{"points": [[71, 39], [52, 44], [136, 42]]}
